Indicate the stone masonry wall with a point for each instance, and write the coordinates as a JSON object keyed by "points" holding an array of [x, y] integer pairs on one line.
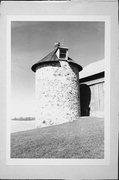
{"points": [[57, 93]]}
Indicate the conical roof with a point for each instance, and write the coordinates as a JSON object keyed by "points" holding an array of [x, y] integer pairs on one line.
{"points": [[52, 57]]}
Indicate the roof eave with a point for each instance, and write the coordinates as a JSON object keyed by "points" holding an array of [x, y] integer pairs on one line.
{"points": [[34, 67]]}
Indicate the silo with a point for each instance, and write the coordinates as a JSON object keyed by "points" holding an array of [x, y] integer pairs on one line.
{"points": [[57, 88]]}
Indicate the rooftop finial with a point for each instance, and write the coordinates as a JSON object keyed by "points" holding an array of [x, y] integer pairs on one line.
{"points": [[57, 44]]}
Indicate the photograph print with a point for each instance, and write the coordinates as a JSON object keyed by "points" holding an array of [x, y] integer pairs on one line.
{"points": [[57, 90]]}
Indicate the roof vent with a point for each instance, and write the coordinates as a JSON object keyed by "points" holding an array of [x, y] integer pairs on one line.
{"points": [[62, 52]]}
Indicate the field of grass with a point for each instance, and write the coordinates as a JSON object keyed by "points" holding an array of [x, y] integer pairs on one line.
{"points": [[78, 139]]}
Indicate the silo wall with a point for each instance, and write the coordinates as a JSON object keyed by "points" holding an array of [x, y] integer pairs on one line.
{"points": [[57, 93]]}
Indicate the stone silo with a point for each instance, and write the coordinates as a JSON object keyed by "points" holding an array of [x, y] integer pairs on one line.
{"points": [[57, 88]]}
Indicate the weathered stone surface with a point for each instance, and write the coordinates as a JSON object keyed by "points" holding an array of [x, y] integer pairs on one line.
{"points": [[57, 93]]}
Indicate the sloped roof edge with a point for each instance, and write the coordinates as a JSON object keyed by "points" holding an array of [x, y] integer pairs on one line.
{"points": [[92, 69]]}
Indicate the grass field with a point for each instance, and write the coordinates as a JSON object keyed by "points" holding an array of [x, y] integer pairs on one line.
{"points": [[78, 139]]}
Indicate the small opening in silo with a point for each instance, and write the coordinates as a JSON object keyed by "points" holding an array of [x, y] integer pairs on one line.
{"points": [[63, 53]]}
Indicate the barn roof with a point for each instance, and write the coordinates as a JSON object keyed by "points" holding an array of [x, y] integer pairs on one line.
{"points": [[92, 69], [52, 57]]}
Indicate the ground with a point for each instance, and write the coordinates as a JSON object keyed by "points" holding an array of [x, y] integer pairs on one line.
{"points": [[78, 139]]}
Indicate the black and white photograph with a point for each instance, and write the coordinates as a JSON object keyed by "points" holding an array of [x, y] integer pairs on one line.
{"points": [[57, 89]]}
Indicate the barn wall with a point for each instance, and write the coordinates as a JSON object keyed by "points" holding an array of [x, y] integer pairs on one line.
{"points": [[97, 99], [94, 98], [57, 93]]}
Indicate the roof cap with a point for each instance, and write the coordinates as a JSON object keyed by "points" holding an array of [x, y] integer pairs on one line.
{"points": [[56, 45]]}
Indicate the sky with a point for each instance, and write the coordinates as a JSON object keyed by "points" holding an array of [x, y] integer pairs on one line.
{"points": [[31, 41]]}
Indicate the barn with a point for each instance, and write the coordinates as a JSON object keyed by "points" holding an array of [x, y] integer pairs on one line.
{"points": [[92, 89]]}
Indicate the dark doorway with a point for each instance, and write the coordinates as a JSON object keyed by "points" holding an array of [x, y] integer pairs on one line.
{"points": [[85, 97]]}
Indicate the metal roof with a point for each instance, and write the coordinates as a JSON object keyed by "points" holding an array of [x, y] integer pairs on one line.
{"points": [[92, 69], [52, 57]]}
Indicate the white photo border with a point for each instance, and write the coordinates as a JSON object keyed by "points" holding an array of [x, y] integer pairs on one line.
{"points": [[107, 49]]}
